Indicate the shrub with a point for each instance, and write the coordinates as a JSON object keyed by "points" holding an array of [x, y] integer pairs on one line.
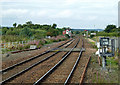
{"points": [[40, 44], [49, 34], [12, 38], [48, 41], [26, 32], [27, 46]]}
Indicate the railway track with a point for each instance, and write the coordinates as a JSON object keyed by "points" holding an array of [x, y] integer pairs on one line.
{"points": [[64, 70], [59, 68], [8, 76], [27, 60], [79, 73]]}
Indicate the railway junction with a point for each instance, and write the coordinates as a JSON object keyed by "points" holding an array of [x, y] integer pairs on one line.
{"points": [[63, 63]]}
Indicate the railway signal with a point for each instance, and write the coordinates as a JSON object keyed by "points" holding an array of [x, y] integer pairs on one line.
{"points": [[105, 44]]}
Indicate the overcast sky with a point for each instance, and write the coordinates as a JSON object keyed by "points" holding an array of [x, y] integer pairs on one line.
{"points": [[65, 13]]}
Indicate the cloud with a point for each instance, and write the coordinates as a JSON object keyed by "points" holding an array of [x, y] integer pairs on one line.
{"points": [[72, 12], [14, 11], [29, 1], [38, 13], [63, 14], [92, 18], [71, 2]]}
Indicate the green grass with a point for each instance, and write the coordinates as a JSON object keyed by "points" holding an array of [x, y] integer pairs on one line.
{"points": [[110, 77], [98, 79], [6, 50], [93, 45], [95, 38], [113, 62]]}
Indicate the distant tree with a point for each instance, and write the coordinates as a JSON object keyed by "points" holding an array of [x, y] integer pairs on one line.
{"points": [[36, 26], [4, 30], [19, 26], [49, 34], [29, 22], [54, 25], [12, 32], [46, 27], [55, 32], [60, 31], [66, 28], [14, 25], [109, 28], [119, 29], [26, 32], [24, 25], [93, 31], [115, 30]]}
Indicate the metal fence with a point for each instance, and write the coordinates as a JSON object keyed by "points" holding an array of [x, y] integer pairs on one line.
{"points": [[10, 44]]}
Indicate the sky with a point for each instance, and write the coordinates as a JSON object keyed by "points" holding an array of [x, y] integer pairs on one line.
{"points": [[119, 14], [77, 14]]}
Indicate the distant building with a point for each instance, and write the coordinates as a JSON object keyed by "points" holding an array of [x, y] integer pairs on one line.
{"points": [[67, 32], [93, 34]]}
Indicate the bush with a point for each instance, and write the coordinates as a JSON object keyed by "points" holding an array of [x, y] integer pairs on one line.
{"points": [[48, 41], [39, 34], [13, 32], [12, 38], [26, 32], [107, 34], [40, 44], [4, 30], [26, 46], [49, 34]]}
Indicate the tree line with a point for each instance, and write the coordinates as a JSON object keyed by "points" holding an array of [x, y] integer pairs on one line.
{"points": [[31, 31], [110, 30]]}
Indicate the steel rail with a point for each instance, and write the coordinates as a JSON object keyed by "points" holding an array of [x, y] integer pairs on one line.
{"points": [[83, 74], [54, 67], [23, 71], [27, 60], [75, 65]]}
